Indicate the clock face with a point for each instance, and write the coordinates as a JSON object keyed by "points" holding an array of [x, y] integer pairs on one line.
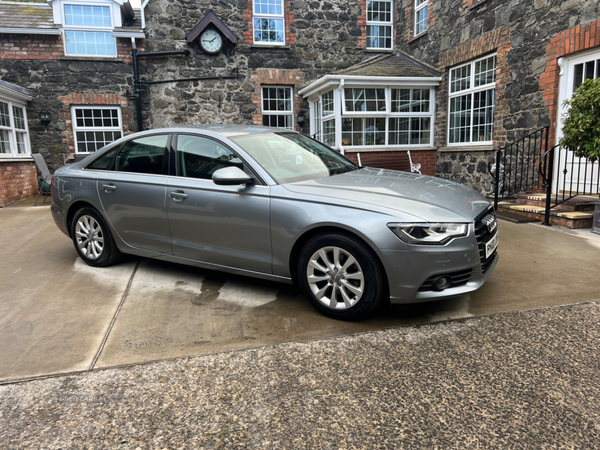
{"points": [[211, 41]]}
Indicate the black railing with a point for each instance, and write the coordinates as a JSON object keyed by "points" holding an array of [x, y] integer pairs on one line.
{"points": [[515, 168], [579, 176]]}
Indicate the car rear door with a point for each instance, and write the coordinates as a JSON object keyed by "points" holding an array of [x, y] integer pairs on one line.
{"points": [[133, 193], [223, 225]]}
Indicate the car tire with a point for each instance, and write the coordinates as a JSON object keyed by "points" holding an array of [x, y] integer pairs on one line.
{"points": [[92, 239], [341, 276]]}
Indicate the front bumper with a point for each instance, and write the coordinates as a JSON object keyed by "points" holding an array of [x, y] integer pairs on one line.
{"points": [[412, 272]]}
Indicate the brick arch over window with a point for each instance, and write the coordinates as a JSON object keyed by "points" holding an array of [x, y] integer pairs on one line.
{"points": [[494, 41], [91, 100], [276, 77], [573, 40]]}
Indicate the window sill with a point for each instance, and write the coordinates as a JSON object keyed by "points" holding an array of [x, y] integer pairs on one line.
{"points": [[467, 148], [271, 46], [16, 159], [417, 37], [476, 4], [89, 58], [357, 149], [380, 50]]}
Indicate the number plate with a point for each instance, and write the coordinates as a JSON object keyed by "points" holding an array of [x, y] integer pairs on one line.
{"points": [[491, 245]]}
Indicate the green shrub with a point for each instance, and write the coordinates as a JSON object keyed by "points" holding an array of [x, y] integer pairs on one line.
{"points": [[581, 123]]}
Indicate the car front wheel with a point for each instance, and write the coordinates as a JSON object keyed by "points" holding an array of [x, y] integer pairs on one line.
{"points": [[92, 238], [341, 276]]}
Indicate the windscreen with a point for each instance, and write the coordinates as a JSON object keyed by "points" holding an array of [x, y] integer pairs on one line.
{"points": [[291, 157]]}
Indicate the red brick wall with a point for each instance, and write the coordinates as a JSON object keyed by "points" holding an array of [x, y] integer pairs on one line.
{"points": [[397, 160], [279, 77], [91, 100], [18, 179], [22, 46], [288, 15], [573, 40]]}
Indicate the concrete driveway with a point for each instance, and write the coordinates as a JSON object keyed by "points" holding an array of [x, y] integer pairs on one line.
{"points": [[57, 315]]}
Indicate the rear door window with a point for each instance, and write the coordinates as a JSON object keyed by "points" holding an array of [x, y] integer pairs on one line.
{"points": [[143, 155]]}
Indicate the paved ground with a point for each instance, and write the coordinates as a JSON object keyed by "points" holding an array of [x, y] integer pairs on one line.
{"points": [[522, 380], [57, 315]]}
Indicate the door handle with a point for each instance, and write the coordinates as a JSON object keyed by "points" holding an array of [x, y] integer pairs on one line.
{"points": [[109, 187], [178, 195]]}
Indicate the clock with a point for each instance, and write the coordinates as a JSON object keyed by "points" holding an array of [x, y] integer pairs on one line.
{"points": [[211, 41]]}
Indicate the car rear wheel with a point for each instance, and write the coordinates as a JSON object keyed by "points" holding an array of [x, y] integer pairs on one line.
{"points": [[341, 276], [92, 238]]}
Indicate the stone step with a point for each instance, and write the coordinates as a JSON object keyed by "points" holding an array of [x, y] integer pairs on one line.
{"points": [[563, 207], [568, 219]]}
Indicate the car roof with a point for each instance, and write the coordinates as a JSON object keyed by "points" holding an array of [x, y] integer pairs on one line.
{"points": [[227, 131]]}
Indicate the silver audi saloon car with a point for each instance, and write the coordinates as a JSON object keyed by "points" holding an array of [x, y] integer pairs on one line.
{"points": [[277, 205]]}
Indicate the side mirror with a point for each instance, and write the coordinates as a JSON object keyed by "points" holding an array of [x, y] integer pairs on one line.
{"points": [[231, 176]]}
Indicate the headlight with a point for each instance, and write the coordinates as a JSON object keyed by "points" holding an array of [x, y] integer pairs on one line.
{"points": [[428, 233]]}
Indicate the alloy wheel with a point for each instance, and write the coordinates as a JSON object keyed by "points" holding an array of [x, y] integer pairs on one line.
{"points": [[90, 237], [335, 278]]}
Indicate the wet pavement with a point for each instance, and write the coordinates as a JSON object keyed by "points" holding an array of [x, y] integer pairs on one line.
{"points": [[58, 316]]}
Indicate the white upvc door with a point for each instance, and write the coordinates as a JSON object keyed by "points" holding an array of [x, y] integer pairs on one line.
{"points": [[572, 178]]}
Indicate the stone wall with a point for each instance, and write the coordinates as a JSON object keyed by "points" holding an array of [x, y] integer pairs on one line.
{"points": [[38, 63], [323, 37], [522, 29]]}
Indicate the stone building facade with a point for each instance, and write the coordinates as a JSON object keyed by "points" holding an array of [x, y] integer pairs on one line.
{"points": [[534, 43]]}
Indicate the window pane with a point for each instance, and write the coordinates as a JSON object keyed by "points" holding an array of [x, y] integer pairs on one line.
{"points": [[89, 16], [4, 115], [328, 103], [413, 131], [329, 132], [5, 142], [460, 119], [483, 115], [379, 11], [144, 155], [485, 71], [365, 99], [21, 143], [199, 157], [317, 122], [90, 43], [273, 7], [19, 117], [363, 131], [268, 30], [460, 79], [379, 36], [421, 20], [410, 100]]}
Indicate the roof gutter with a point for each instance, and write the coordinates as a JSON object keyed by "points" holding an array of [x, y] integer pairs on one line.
{"points": [[15, 94], [356, 79]]}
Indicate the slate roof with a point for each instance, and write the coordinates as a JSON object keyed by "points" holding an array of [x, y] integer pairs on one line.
{"points": [[14, 87], [26, 15], [392, 65], [131, 25]]}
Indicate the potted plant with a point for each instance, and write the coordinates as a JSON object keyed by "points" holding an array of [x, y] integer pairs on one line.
{"points": [[581, 128]]}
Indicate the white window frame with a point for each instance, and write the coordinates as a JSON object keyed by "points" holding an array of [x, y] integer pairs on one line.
{"points": [[418, 8], [93, 129], [472, 90], [380, 23], [268, 16], [113, 19], [278, 113], [12, 131], [340, 113]]}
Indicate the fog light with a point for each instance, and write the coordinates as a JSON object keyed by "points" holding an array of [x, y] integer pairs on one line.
{"points": [[442, 283]]}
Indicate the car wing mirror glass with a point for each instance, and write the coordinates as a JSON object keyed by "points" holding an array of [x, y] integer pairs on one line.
{"points": [[231, 176]]}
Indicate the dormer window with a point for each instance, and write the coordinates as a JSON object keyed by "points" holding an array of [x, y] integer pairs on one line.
{"points": [[88, 30]]}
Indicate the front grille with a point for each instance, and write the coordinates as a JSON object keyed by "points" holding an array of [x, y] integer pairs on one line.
{"points": [[458, 279], [483, 235]]}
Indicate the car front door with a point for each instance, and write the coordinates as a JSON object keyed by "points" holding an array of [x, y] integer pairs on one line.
{"points": [[133, 193], [222, 225]]}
